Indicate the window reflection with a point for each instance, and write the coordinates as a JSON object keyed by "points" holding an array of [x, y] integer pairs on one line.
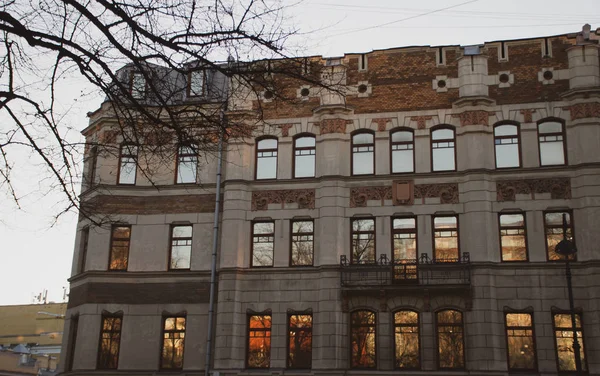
{"points": [[363, 241], [173, 343], [138, 85], [266, 159], [506, 143], [402, 144], [119, 247], [563, 335], [519, 337], [302, 243], [110, 340], [551, 138], [362, 328], [128, 164], [450, 340], [406, 340], [443, 150], [446, 239], [513, 239], [263, 239], [196, 80], [187, 163], [405, 248], [181, 247], [363, 154], [553, 223], [304, 157], [300, 341], [259, 341]]}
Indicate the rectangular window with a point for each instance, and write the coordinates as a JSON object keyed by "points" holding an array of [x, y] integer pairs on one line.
{"points": [[181, 247], [513, 238], [362, 339], [196, 83], [451, 342], [304, 157], [506, 142], [302, 243], [551, 136], [446, 239], [73, 327], [187, 164], [443, 153], [92, 161], [300, 341], [138, 85], [363, 241], [402, 144], [406, 340], [520, 342], [553, 224], [563, 336], [172, 343], [128, 164], [85, 235], [110, 340], [404, 257], [363, 154], [263, 242], [266, 159], [119, 247], [259, 341]]}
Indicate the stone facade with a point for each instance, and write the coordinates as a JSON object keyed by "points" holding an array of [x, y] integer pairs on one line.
{"points": [[415, 88]]}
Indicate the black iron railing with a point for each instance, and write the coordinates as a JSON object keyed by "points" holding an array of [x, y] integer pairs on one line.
{"points": [[423, 271]]}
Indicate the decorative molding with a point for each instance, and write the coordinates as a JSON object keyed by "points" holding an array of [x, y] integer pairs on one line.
{"points": [[528, 115], [421, 120], [359, 196], [285, 129], [146, 205], [447, 193], [382, 123], [478, 117], [559, 188], [333, 125], [584, 110], [305, 198]]}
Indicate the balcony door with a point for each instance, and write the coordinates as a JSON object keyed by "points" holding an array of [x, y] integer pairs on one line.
{"points": [[404, 245]]}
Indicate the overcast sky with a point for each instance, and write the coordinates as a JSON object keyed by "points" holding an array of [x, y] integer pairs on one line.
{"points": [[37, 254]]}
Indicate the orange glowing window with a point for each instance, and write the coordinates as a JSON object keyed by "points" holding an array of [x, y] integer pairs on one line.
{"points": [[259, 341]]}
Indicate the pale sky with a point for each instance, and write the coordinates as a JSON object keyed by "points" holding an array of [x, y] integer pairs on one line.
{"points": [[37, 255]]}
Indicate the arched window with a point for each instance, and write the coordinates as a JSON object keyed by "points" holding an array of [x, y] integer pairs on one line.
{"points": [[127, 164], [450, 339], [551, 137], [363, 339], [506, 146], [266, 159], [406, 340], [443, 149], [402, 144], [363, 153], [187, 164], [304, 156]]}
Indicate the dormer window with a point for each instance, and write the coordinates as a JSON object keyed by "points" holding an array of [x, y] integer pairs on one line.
{"points": [[138, 85], [196, 83]]}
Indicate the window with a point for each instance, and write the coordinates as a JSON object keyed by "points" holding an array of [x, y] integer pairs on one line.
{"points": [[181, 247], [73, 326], [172, 342], [196, 83], [362, 337], [563, 337], [443, 154], [119, 247], [85, 236], [520, 342], [553, 224], [266, 159], [302, 243], [138, 85], [506, 144], [110, 339], [187, 164], [446, 239], [406, 340], [259, 341], [300, 341], [304, 156], [551, 136], [451, 347], [92, 161], [403, 151], [363, 154], [363, 241], [404, 257], [513, 237], [128, 164], [263, 239]]}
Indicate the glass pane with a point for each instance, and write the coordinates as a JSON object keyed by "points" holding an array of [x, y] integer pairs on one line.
{"points": [[402, 136], [404, 223], [269, 143], [138, 86], [305, 142], [127, 171], [402, 161], [181, 256], [302, 226], [518, 319], [443, 159], [262, 254], [182, 231], [266, 168], [565, 351], [304, 166], [505, 130], [362, 138], [507, 155], [197, 83], [444, 222], [121, 232], [552, 153], [564, 321], [550, 127], [521, 351], [450, 348], [363, 339], [302, 250], [170, 323], [513, 220], [442, 134], [449, 317], [405, 248], [362, 163], [406, 341], [406, 317], [259, 342], [187, 169], [300, 341], [264, 228]]}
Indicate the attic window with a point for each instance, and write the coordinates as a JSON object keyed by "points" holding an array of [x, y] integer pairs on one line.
{"points": [[138, 85], [333, 62], [196, 83], [471, 50]]}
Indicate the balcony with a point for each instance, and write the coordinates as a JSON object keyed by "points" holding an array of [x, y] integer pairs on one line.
{"points": [[423, 273]]}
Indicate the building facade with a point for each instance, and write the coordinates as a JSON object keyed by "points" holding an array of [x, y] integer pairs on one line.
{"points": [[401, 218]]}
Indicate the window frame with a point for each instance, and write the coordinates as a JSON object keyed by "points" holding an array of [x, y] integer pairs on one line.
{"points": [[352, 220], [163, 331], [572, 227], [518, 136], [288, 337], [292, 233], [393, 248], [391, 143], [563, 133], [252, 235], [352, 135], [257, 150], [418, 326], [106, 315], [375, 348], [112, 239], [188, 91], [437, 339], [580, 339], [72, 344], [135, 159], [131, 81], [532, 328], [171, 238], [457, 228], [92, 163], [431, 142], [248, 330], [500, 228], [295, 148], [183, 155], [83, 248]]}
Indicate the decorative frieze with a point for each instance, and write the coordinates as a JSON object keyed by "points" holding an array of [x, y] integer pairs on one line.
{"points": [[447, 193], [421, 120], [146, 205], [381, 123], [559, 188], [527, 115], [285, 129], [479, 117], [305, 198], [584, 110], [333, 125], [360, 195]]}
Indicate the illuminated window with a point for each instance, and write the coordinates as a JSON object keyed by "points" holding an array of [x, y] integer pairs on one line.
{"points": [[520, 342], [443, 149], [259, 341], [551, 136], [196, 83], [513, 237], [404, 257], [446, 239], [138, 85], [304, 156], [403, 151], [302, 243], [266, 159], [553, 224], [506, 143], [172, 343], [363, 154], [300, 341], [128, 164], [450, 340], [187, 163], [363, 241], [563, 336], [406, 340], [263, 239], [362, 337], [181, 247], [119, 247], [110, 340]]}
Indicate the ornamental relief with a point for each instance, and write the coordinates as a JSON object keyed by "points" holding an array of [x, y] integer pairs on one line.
{"points": [[584, 110], [305, 198], [447, 193], [479, 117], [559, 188]]}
